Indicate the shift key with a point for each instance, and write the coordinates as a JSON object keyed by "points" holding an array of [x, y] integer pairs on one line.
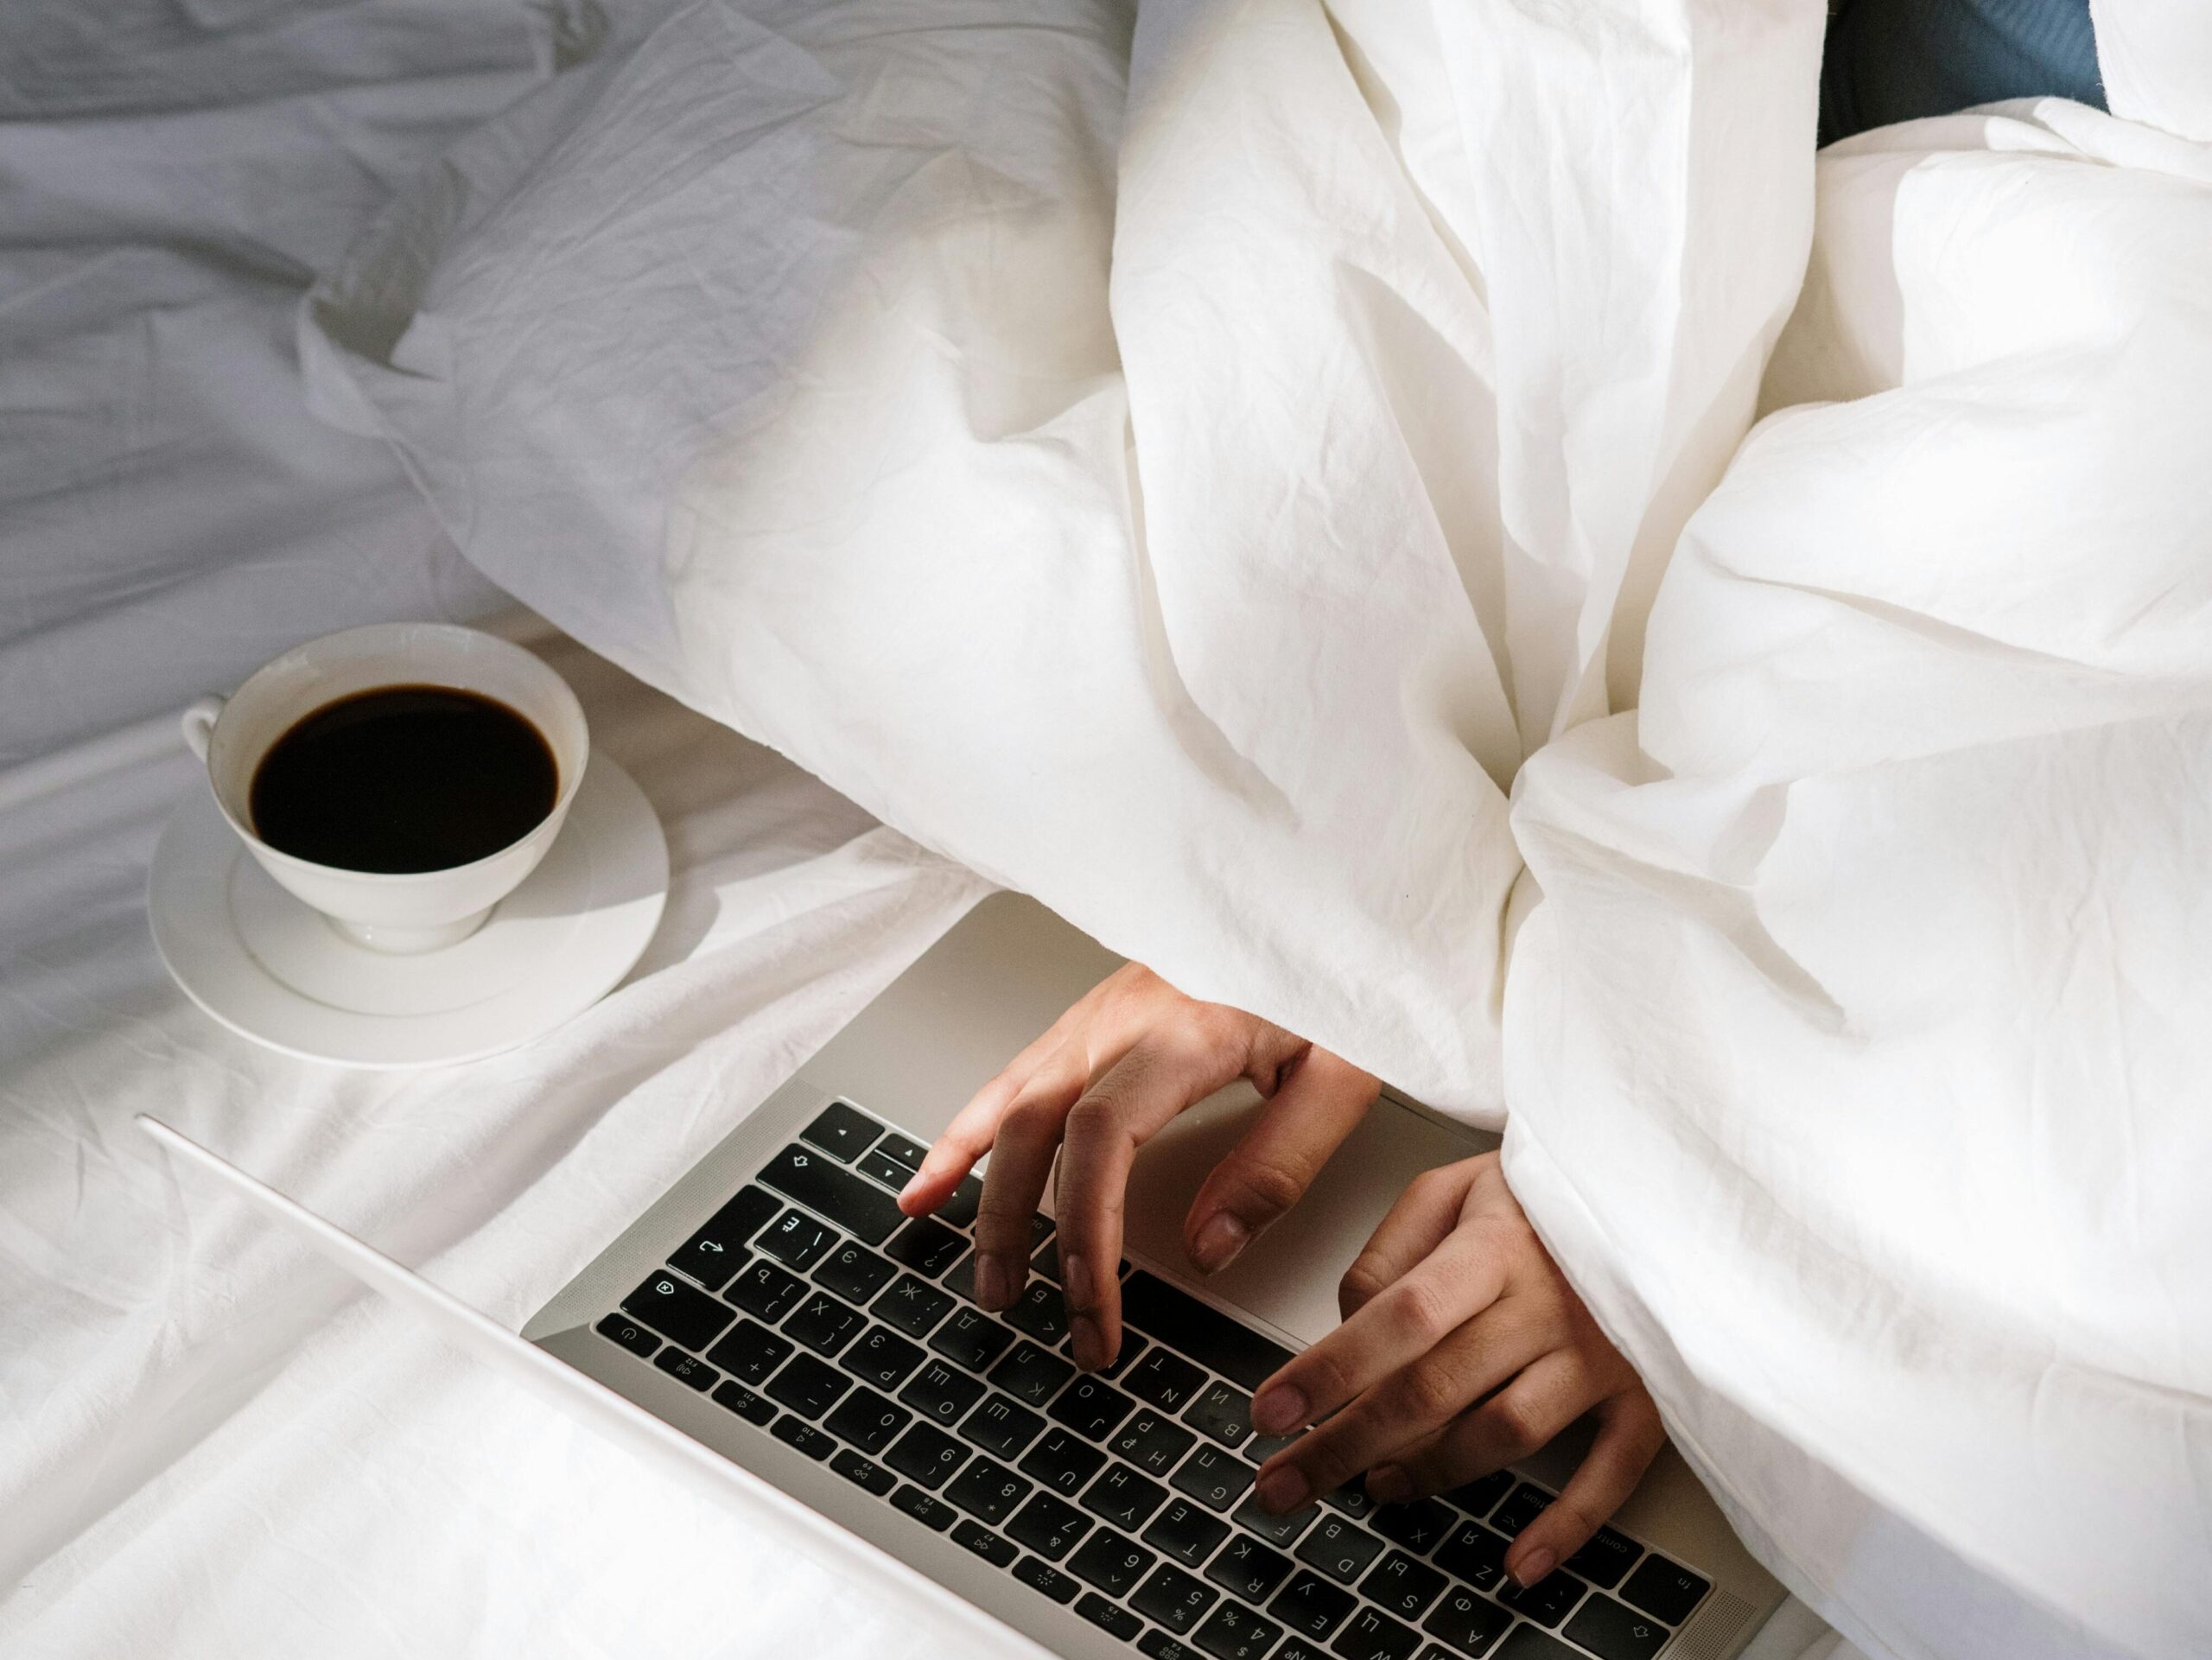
{"points": [[823, 1185]]}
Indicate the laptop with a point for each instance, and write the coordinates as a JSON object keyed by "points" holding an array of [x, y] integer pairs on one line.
{"points": [[774, 1328]]}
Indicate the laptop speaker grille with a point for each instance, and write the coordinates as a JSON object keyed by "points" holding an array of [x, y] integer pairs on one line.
{"points": [[1714, 1630]]}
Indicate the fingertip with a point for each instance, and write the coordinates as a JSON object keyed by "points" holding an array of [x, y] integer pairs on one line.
{"points": [[1529, 1565], [1220, 1240]]}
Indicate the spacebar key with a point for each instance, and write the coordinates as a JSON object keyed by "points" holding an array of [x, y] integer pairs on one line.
{"points": [[818, 1182], [1211, 1338]]}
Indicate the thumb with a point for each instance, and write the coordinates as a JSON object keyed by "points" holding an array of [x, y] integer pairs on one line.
{"points": [[1307, 1118]]}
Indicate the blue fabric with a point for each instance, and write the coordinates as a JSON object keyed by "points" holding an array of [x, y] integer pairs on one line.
{"points": [[1898, 59]]}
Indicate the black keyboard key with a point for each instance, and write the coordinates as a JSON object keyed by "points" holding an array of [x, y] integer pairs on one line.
{"points": [[1168, 1383], [1040, 1229], [1339, 1550], [1526, 1642], [631, 1335], [744, 1403], [1373, 1635], [903, 1150], [1049, 1526], [1063, 1462], [796, 1240], [988, 1490], [926, 1456], [1477, 1497], [1612, 1631], [1213, 1478], [824, 1323], [1351, 1498], [967, 1199], [1604, 1557], [1150, 1443], [1547, 1600], [1029, 1373], [1112, 1563], [868, 1420], [1185, 1532], [913, 1306], [878, 1166], [881, 1357], [1158, 1645], [688, 1369], [960, 1282], [1474, 1553], [1092, 1408], [1299, 1648], [1109, 1617], [971, 1339], [1526, 1504], [750, 1354], [763, 1288], [931, 1513], [808, 1387], [1041, 1576], [1000, 1427], [940, 1394], [718, 1246], [1403, 1586], [926, 1247], [853, 1272], [999, 1553], [1659, 1586], [1260, 1448], [1235, 1632], [816, 1181], [1046, 1261], [1132, 1346], [1040, 1311], [843, 1131], [1276, 1530], [680, 1311], [1172, 1597], [864, 1473], [1123, 1497], [1206, 1335], [1420, 1525], [1466, 1622], [1310, 1606], [1221, 1412], [795, 1432], [1247, 1568]]}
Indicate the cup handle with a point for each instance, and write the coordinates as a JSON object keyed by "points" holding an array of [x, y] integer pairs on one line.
{"points": [[199, 723]]}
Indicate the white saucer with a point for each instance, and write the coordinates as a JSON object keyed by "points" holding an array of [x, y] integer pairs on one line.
{"points": [[271, 970]]}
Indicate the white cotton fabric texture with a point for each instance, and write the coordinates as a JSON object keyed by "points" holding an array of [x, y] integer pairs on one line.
{"points": [[1192, 495]]}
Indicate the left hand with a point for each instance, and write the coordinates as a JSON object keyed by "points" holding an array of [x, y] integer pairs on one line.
{"points": [[1462, 1349]]}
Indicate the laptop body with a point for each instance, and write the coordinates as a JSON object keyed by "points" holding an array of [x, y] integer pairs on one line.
{"points": [[770, 1327]]}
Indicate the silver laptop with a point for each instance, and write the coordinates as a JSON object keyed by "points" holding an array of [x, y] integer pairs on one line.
{"points": [[811, 1345]]}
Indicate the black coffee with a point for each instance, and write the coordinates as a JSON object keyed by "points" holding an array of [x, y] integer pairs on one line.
{"points": [[404, 778]]}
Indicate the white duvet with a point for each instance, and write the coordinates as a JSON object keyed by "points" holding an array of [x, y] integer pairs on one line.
{"points": [[1228, 474]]}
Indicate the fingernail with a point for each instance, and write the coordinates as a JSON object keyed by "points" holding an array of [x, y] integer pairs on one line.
{"points": [[1533, 1566], [991, 1290], [1090, 1343], [1387, 1483], [1282, 1490], [1219, 1241], [1075, 1281], [1278, 1411]]}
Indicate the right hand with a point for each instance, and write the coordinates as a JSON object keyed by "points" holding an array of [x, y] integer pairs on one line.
{"points": [[1109, 1076]]}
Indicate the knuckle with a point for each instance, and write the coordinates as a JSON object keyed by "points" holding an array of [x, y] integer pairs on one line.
{"points": [[1270, 1187], [1428, 1392], [1514, 1423], [1363, 1281], [1423, 1312]]}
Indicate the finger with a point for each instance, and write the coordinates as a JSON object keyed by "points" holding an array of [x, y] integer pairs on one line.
{"points": [[1629, 1437], [1163, 1073], [1320, 1103], [1386, 1425], [1400, 1329], [1021, 1162], [973, 1128], [1427, 1211], [1550, 1393]]}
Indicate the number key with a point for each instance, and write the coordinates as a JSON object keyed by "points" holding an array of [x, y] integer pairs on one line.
{"points": [[1172, 1597]]}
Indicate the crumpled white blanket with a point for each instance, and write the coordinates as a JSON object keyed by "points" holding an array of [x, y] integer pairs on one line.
{"points": [[1187, 473]]}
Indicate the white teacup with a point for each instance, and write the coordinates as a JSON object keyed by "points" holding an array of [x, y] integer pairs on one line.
{"points": [[420, 911]]}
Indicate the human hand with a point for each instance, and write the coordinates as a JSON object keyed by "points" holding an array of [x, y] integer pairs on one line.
{"points": [[1110, 1073], [1462, 1349]]}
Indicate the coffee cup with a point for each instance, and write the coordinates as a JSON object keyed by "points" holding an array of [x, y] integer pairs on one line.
{"points": [[415, 910]]}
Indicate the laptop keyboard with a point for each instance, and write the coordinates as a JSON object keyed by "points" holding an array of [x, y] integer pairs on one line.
{"points": [[811, 1309]]}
